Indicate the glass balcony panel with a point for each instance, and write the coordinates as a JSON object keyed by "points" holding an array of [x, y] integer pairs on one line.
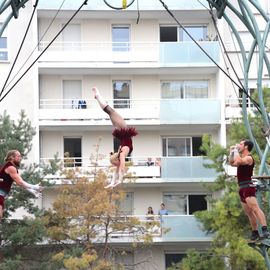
{"points": [[190, 111], [183, 228], [188, 53], [186, 167]]}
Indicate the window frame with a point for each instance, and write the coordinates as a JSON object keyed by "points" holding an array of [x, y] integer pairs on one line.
{"points": [[186, 201], [125, 48], [5, 51], [191, 150], [179, 29], [182, 88], [126, 103]]}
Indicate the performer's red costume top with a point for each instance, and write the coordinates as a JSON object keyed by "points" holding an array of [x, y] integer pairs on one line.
{"points": [[125, 135], [5, 179], [244, 173]]}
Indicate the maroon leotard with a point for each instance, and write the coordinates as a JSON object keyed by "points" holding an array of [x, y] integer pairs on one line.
{"points": [[244, 173], [5, 182], [125, 135]]}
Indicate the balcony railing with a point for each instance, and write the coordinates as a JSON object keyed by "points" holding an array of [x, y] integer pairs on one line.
{"points": [[188, 53], [162, 111], [190, 111], [233, 109], [169, 228], [175, 168], [164, 169], [183, 228], [149, 53]]}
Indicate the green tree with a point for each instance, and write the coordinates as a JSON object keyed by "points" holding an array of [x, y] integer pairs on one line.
{"points": [[83, 220], [16, 234], [226, 220]]}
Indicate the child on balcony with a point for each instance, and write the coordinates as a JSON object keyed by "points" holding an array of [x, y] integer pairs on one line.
{"points": [[121, 132]]}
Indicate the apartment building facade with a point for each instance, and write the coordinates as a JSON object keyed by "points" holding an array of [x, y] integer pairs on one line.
{"points": [[161, 82]]}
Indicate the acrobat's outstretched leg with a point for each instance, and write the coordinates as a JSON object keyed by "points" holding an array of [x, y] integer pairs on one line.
{"points": [[116, 118]]}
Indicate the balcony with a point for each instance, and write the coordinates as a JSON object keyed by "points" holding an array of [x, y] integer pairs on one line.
{"points": [[172, 228], [233, 109], [167, 170], [131, 54], [62, 112], [188, 53], [183, 228], [190, 169], [190, 111]]}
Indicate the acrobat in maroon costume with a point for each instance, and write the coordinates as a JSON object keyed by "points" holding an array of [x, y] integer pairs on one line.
{"points": [[5, 183], [246, 187], [125, 136], [123, 133]]}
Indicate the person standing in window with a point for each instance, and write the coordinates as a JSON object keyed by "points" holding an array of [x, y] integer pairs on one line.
{"points": [[123, 133], [241, 158]]}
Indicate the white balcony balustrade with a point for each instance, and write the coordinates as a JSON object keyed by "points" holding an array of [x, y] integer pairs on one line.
{"points": [[233, 108], [100, 52], [138, 111], [164, 169], [81, 109], [148, 54]]}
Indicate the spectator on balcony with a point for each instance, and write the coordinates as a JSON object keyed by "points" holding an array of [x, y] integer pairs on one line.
{"points": [[150, 213], [241, 158], [121, 132], [149, 162], [162, 211], [9, 174]]}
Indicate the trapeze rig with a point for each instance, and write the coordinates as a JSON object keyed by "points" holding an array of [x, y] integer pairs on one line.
{"points": [[259, 42], [125, 4], [15, 6]]}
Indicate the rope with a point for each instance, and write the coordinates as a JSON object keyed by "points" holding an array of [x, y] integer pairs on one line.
{"points": [[47, 29], [20, 48], [241, 88], [50, 43]]}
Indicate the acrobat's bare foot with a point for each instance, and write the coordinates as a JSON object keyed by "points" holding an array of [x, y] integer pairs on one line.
{"points": [[95, 91]]}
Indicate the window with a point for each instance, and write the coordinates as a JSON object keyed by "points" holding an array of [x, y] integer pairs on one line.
{"points": [[3, 46], [72, 93], [72, 37], [121, 94], [168, 33], [184, 204], [126, 204], [120, 38], [124, 260], [173, 258], [176, 34], [73, 152], [196, 89], [196, 203], [199, 33], [181, 146], [184, 89], [176, 203]]}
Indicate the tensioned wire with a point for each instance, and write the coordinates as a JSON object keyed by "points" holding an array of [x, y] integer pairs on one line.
{"points": [[49, 44], [45, 32]]}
